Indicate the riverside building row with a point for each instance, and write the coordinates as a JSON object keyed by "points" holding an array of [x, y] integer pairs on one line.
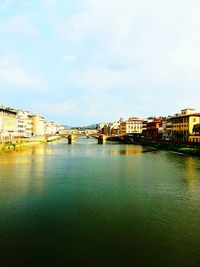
{"points": [[25, 124], [182, 127]]}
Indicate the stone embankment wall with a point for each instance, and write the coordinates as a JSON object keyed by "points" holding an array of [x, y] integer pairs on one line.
{"points": [[12, 144], [192, 149]]}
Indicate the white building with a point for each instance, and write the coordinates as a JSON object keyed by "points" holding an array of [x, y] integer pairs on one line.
{"points": [[131, 126]]}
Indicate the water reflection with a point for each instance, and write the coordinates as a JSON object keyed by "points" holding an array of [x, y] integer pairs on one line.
{"points": [[192, 173], [129, 150], [99, 200], [189, 169], [22, 170]]}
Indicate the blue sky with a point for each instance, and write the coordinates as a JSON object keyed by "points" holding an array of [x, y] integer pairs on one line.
{"points": [[85, 61]]}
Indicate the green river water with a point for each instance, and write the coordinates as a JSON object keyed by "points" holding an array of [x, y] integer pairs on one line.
{"points": [[99, 205]]}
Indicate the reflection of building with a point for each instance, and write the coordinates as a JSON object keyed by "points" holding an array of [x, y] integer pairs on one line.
{"points": [[127, 150], [182, 124], [131, 126], [192, 174], [8, 123]]}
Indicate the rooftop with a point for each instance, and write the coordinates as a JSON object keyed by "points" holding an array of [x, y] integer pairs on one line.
{"points": [[8, 110]]}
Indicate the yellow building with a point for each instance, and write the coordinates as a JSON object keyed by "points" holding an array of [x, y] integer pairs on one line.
{"points": [[195, 137], [8, 123], [182, 124], [123, 128], [29, 125], [38, 125]]}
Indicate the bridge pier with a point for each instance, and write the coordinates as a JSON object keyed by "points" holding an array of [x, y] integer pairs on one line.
{"points": [[71, 139], [102, 139]]}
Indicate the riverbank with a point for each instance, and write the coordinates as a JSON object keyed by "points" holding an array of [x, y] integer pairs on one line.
{"points": [[9, 145], [184, 148], [53, 139]]}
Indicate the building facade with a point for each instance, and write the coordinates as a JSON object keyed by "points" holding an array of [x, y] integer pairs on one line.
{"points": [[131, 126], [183, 123], [154, 129], [38, 125], [195, 137], [25, 124], [8, 123]]}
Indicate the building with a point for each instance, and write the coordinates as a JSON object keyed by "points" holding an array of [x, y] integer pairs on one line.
{"points": [[21, 124], [154, 129], [115, 128], [144, 127], [51, 127], [105, 129], [60, 129], [29, 125], [8, 123], [100, 127], [131, 126], [38, 125], [167, 133], [163, 130], [24, 124], [183, 123], [195, 137]]}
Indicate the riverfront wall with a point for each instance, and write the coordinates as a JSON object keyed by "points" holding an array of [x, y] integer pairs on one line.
{"points": [[7, 145], [188, 148]]}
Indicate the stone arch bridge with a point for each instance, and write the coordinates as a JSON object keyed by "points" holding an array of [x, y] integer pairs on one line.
{"points": [[102, 138]]}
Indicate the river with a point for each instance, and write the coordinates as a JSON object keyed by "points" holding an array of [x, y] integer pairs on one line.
{"points": [[99, 205]]}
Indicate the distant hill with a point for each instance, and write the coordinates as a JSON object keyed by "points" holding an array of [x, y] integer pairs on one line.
{"points": [[67, 127], [92, 126]]}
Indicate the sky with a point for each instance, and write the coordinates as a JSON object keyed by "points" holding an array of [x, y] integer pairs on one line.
{"points": [[80, 62]]}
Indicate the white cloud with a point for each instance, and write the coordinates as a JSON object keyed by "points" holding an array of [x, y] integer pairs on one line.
{"points": [[49, 3], [18, 25], [14, 76], [17, 77], [69, 58], [62, 108], [147, 52], [158, 42], [5, 5], [102, 79], [148, 49]]}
